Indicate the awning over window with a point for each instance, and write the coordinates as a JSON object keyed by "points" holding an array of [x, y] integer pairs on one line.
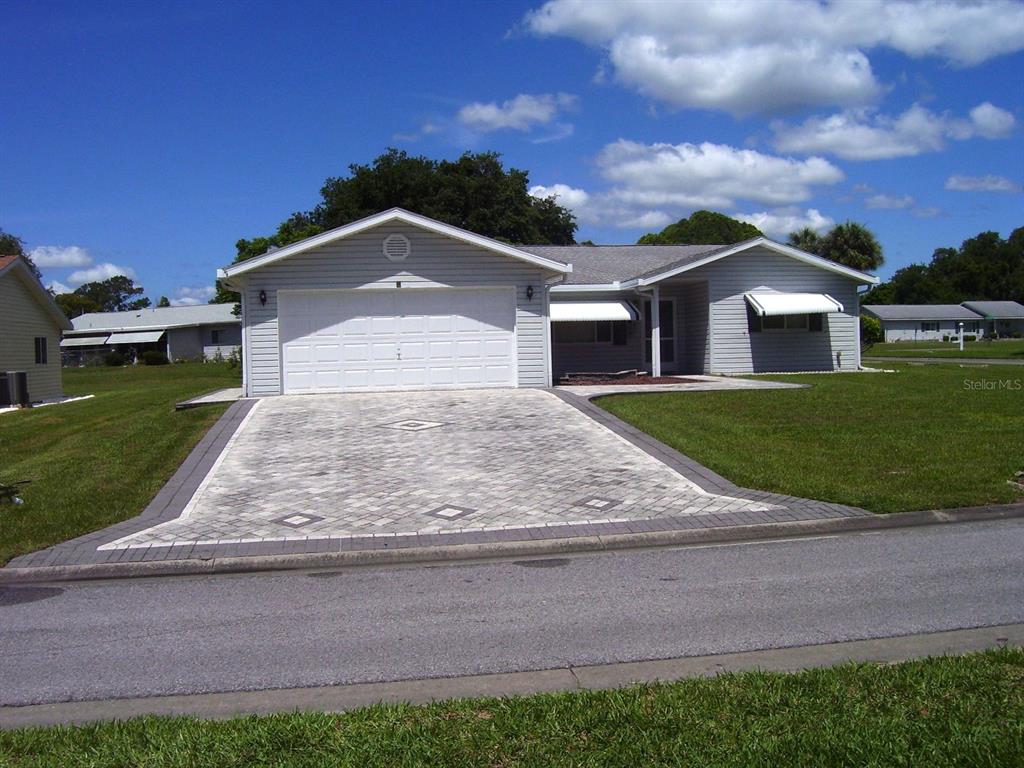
{"points": [[576, 311], [83, 341], [769, 303], [137, 337]]}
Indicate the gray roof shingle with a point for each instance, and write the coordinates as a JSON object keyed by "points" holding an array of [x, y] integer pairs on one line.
{"points": [[159, 317], [997, 310], [604, 264], [920, 312]]}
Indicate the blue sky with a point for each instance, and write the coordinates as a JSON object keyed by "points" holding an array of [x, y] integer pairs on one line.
{"points": [[147, 140]]}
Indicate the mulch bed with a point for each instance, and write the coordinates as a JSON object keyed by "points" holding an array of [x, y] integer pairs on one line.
{"points": [[631, 380]]}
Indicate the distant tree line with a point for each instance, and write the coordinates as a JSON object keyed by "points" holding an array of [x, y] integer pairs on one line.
{"points": [[984, 267]]}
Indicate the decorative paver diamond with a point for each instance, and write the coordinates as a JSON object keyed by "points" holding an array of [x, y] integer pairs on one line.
{"points": [[597, 503], [450, 512], [297, 520], [413, 425]]}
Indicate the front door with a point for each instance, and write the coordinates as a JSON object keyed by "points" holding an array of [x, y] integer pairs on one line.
{"points": [[667, 312]]}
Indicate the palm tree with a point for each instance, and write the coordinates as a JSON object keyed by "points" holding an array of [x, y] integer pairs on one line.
{"points": [[805, 239], [853, 245]]}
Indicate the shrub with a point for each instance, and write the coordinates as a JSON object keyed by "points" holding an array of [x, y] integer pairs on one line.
{"points": [[154, 357], [114, 359], [235, 358], [870, 331]]}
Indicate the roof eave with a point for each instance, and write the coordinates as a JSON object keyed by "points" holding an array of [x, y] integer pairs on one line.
{"points": [[785, 250], [385, 217], [44, 295]]}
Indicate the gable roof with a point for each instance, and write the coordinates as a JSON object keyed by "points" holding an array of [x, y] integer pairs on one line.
{"points": [[997, 310], [920, 312], [156, 318], [17, 265], [386, 217], [619, 267]]}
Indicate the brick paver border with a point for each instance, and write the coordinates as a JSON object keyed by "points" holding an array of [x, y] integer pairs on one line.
{"points": [[174, 496]]}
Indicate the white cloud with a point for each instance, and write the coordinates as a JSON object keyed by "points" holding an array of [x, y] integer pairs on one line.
{"points": [[58, 287], [98, 273], [989, 183], [779, 222], [522, 113], [747, 57], [189, 297], [867, 135], [654, 184], [889, 202], [708, 175], [60, 256]]}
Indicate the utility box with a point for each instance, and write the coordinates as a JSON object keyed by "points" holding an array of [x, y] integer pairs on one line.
{"points": [[17, 387]]}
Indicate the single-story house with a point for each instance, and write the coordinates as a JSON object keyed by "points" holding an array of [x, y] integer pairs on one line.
{"points": [[200, 332], [30, 328], [401, 301], [1002, 318], [924, 322]]}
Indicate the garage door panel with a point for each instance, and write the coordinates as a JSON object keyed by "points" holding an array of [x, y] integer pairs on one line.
{"points": [[336, 341]]}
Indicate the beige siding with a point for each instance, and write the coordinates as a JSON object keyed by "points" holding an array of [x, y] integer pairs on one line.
{"points": [[734, 349], [22, 319], [357, 262]]}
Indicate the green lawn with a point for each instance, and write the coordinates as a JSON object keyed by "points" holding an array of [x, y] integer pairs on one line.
{"points": [[1009, 348], [922, 438], [95, 462], [949, 711]]}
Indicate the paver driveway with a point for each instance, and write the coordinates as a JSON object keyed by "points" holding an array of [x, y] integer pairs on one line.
{"points": [[333, 466]]}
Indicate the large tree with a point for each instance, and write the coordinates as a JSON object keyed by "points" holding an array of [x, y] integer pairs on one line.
{"points": [[12, 245], [850, 244], [984, 267], [115, 294], [474, 192], [703, 228]]}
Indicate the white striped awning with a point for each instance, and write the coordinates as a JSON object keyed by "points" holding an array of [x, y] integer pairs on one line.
{"points": [[577, 311], [767, 303], [83, 341], [138, 337]]}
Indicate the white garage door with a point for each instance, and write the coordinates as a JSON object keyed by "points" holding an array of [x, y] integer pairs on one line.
{"points": [[344, 341]]}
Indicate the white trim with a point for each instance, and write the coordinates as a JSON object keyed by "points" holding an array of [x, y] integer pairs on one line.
{"points": [[764, 242], [583, 311], [387, 217], [548, 364], [596, 288]]}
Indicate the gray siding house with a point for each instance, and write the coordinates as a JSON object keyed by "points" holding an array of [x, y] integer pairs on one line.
{"points": [[924, 322], [200, 332], [1001, 318], [30, 328], [400, 301]]}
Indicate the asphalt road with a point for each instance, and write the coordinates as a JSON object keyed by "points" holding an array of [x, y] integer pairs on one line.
{"points": [[95, 640]]}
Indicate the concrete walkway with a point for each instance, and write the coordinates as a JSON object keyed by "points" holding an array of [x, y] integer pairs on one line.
{"points": [[692, 384], [228, 395], [945, 360]]}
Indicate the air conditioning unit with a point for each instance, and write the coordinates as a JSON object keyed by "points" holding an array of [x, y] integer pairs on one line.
{"points": [[16, 389]]}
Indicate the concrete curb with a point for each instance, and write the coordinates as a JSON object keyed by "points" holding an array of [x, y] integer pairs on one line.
{"points": [[340, 698], [980, 361], [504, 550]]}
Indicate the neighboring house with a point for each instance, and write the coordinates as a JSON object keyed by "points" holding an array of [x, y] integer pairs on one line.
{"points": [[1002, 318], [924, 322], [400, 301], [198, 332], [30, 328]]}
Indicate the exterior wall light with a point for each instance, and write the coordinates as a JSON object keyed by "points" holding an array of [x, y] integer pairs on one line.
{"points": [[529, 292], [263, 298]]}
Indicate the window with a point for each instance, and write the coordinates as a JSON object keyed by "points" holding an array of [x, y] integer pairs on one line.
{"points": [[595, 332], [215, 336], [971, 327], [812, 322], [40, 350], [930, 325]]}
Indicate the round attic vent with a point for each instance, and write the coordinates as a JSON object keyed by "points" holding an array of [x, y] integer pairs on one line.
{"points": [[397, 247]]}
